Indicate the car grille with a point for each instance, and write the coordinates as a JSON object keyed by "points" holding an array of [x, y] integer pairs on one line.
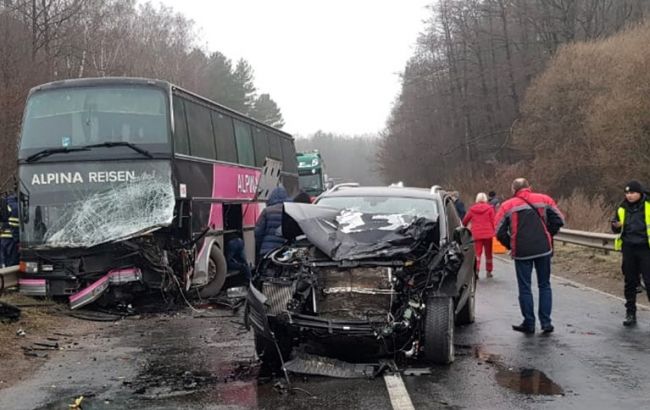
{"points": [[278, 295]]}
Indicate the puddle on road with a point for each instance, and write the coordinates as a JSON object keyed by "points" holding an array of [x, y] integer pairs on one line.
{"points": [[525, 381], [528, 381]]}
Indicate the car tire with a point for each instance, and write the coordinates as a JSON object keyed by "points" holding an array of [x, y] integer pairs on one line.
{"points": [[217, 272], [467, 313], [268, 353], [439, 330]]}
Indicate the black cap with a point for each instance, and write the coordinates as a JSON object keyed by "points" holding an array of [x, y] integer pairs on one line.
{"points": [[492, 194], [634, 186]]}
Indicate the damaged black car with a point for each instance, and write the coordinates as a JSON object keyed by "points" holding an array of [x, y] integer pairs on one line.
{"points": [[391, 268]]}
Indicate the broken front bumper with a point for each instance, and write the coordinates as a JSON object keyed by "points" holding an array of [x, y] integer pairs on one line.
{"points": [[266, 308]]}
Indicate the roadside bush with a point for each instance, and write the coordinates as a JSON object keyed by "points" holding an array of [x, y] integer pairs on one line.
{"points": [[586, 118], [586, 213]]}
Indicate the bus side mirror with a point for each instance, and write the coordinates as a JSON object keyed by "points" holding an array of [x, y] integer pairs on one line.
{"points": [[24, 207]]}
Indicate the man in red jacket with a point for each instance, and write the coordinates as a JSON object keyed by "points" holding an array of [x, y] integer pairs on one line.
{"points": [[525, 224], [481, 217]]}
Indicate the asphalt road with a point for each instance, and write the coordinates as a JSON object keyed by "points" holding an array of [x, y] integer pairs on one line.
{"points": [[203, 361]]}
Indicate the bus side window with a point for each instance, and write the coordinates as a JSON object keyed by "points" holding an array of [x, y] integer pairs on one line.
{"points": [[245, 152], [200, 129], [288, 156], [261, 146], [275, 149], [181, 141], [232, 217], [224, 135]]}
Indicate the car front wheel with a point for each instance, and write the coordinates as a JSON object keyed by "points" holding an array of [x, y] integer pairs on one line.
{"points": [[439, 330]]}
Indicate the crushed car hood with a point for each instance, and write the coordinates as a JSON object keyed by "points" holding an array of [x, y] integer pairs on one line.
{"points": [[351, 235]]}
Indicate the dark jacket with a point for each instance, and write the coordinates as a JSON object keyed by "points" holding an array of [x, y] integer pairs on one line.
{"points": [[635, 228], [460, 208], [481, 216], [267, 235], [9, 223], [528, 232]]}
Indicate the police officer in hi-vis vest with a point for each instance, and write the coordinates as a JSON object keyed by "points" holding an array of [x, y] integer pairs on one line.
{"points": [[632, 223], [9, 231]]}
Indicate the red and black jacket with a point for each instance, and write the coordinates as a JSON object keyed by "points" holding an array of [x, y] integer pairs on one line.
{"points": [[526, 223]]}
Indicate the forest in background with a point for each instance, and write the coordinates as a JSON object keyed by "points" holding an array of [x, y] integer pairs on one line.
{"points": [[545, 89], [48, 40], [554, 90]]}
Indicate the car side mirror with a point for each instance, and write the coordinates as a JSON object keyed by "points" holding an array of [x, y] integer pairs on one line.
{"points": [[461, 234]]}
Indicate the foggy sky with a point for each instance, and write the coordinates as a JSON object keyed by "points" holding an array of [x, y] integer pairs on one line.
{"points": [[330, 65]]}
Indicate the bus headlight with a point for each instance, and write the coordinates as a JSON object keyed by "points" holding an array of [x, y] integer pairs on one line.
{"points": [[28, 267]]}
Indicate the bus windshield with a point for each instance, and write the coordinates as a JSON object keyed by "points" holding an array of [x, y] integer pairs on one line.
{"points": [[80, 116]]}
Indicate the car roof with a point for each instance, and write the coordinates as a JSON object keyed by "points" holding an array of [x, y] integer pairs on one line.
{"points": [[388, 191]]}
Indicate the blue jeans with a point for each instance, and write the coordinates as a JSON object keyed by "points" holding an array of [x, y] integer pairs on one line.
{"points": [[524, 270], [9, 249], [236, 258]]}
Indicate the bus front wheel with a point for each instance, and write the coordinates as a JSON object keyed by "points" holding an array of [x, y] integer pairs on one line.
{"points": [[217, 270]]}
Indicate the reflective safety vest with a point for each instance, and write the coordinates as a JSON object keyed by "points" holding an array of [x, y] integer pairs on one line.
{"points": [[10, 228], [618, 243]]}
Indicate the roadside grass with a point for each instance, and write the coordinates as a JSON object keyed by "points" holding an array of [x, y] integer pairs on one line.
{"points": [[590, 267], [38, 317]]}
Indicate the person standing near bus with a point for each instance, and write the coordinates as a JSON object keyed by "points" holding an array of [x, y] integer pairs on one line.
{"points": [[632, 223], [267, 228], [9, 233], [481, 217]]}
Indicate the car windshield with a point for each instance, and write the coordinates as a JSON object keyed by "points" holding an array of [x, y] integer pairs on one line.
{"points": [[79, 116], [421, 207]]}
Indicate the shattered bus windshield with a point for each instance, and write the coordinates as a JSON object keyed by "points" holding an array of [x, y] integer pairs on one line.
{"points": [[79, 116], [83, 205]]}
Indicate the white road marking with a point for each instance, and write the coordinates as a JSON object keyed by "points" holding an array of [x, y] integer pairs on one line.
{"points": [[583, 287], [399, 397]]}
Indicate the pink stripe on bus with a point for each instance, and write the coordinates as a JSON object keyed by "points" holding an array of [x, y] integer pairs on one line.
{"points": [[31, 282], [89, 289]]}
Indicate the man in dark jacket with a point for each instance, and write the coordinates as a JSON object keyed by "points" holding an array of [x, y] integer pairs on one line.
{"points": [[525, 224], [632, 222], [267, 228], [458, 203], [9, 231], [493, 200]]}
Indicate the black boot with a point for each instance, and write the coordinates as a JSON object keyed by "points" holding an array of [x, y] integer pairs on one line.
{"points": [[630, 319]]}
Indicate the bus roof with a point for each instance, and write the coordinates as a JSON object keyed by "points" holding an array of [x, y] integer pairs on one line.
{"points": [[162, 84]]}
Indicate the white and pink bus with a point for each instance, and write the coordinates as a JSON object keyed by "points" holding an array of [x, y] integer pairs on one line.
{"points": [[130, 184]]}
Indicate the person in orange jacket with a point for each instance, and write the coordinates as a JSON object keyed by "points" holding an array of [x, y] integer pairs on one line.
{"points": [[481, 217]]}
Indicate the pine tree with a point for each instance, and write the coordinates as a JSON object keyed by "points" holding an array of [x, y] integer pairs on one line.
{"points": [[267, 111]]}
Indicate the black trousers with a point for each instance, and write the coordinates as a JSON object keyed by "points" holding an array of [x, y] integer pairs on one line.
{"points": [[636, 262]]}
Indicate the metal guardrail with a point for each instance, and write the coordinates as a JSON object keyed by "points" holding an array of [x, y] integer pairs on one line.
{"points": [[8, 277], [603, 241]]}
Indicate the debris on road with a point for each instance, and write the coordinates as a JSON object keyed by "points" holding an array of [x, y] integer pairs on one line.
{"points": [[305, 363], [9, 313], [76, 404]]}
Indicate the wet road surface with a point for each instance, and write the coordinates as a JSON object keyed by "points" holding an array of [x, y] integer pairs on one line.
{"points": [[207, 361]]}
